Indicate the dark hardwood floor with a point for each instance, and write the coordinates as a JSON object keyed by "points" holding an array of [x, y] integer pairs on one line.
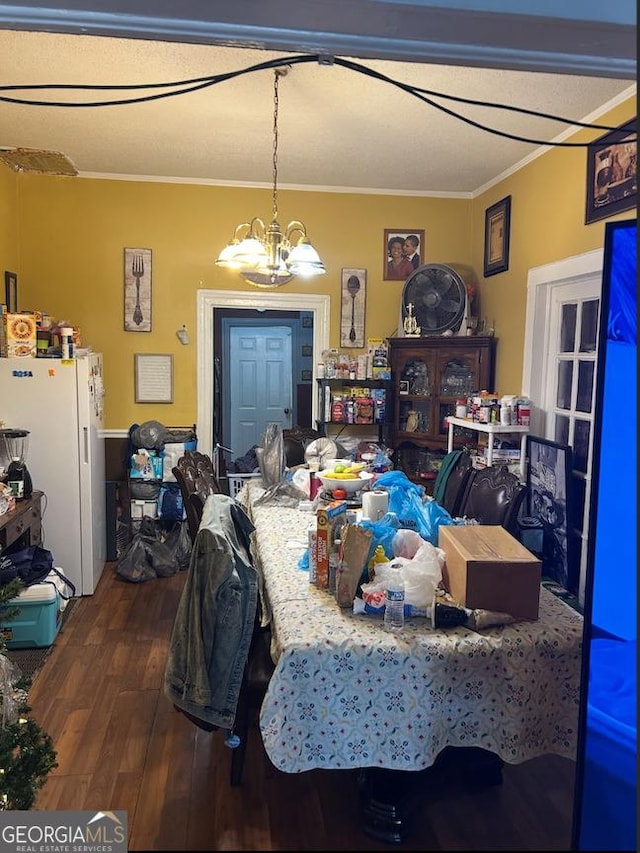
{"points": [[121, 745]]}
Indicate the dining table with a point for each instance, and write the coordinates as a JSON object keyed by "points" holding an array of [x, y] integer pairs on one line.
{"points": [[347, 694]]}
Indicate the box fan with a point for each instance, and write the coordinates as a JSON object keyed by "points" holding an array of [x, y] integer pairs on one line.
{"points": [[441, 298]]}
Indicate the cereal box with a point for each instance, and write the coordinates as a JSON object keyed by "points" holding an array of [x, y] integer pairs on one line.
{"points": [[328, 517], [18, 335]]}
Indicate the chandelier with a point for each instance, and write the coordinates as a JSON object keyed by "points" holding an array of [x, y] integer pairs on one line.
{"points": [[267, 256]]}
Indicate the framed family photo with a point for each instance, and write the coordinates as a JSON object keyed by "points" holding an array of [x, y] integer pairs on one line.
{"points": [[612, 173], [403, 252], [497, 225], [549, 494]]}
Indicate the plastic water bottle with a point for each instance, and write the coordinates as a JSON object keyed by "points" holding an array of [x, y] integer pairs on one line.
{"points": [[394, 600]]}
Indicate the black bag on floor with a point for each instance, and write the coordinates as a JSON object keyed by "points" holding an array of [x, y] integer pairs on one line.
{"points": [[178, 542], [147, 556]]}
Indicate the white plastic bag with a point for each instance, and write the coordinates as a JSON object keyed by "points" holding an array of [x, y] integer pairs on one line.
{"points": [[422, 573], [300, 478], [406, 542]]}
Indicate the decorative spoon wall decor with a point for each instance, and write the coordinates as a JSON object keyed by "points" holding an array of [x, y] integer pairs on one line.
{"points": [[352, 314]]}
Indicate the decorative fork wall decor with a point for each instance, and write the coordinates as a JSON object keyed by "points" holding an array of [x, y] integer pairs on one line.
{"points": [[137, 290]]}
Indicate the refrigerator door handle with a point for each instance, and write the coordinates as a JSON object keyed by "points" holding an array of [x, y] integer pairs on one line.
{"points": [[85, 431]]}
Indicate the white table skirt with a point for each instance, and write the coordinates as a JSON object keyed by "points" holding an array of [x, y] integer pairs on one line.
{"points": [[347, 694]]}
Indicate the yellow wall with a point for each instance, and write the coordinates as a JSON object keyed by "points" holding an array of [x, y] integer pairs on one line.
{"points": [[8, 223], [71, 233], [548, 198]]}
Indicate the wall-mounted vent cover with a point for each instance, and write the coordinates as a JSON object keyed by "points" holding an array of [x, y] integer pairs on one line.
{"points": [[37, 161]]}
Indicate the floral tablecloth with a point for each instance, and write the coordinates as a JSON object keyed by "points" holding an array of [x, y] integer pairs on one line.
{"points": [[347, 694]]}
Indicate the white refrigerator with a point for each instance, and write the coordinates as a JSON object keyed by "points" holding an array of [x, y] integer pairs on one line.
{"points": [[60, 403]]}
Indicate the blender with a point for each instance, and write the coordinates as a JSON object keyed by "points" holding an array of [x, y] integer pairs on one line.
{"points": [[18, 479]]}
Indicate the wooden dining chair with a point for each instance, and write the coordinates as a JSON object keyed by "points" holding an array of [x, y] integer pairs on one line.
{"points": [[295, 443], [195, 475], [493, 495]]}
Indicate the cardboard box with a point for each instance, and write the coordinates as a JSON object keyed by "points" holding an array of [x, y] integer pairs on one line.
{"points": [[18, 338], [487, 568], [329, 517]]}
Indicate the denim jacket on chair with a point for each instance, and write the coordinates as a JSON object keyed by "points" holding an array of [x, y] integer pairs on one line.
{"points": [[214, 622]]}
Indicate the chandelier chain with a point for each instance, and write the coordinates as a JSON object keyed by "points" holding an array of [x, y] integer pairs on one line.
{"points": [[276, 75], [265, 255]]}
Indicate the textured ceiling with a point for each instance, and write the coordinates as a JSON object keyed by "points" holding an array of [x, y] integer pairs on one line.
{"points": [[338, 129]]}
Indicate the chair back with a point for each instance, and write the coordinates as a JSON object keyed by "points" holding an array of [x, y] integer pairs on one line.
{"points": [[295, 443], [195, 475], [493, 496], [455, 485]]}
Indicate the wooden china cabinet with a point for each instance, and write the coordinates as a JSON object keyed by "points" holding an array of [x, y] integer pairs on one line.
{"points": [[428, 375]]}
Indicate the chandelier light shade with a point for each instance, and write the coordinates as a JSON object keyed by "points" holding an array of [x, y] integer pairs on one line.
{"points": [[265, 255]]}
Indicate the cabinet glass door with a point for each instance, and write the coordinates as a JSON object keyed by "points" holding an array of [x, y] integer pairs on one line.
{"points": [[414, 416], [458, 376]]}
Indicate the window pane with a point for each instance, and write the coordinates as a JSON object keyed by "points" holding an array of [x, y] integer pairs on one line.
{"points": [[568, 327], [581, 432], [585, 386], [565, 378], [562, 429], [589, 327]]}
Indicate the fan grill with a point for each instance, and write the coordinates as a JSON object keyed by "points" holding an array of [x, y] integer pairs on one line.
{"points": [[438, 297]]}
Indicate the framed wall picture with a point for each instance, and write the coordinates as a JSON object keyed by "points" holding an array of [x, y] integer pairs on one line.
{"points": [[307, 375], [153, 377], [137, 290], [497, 225], [11, 291], [403, 252], [352, 307], [612, 173], [549, 496], [307, 350]]}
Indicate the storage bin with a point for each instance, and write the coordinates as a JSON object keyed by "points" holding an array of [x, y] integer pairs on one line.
{"points": [[38, 622], [237, 481], [140, 509]]}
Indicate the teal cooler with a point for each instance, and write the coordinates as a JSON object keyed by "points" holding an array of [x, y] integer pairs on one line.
{"points": [[38, 622]]}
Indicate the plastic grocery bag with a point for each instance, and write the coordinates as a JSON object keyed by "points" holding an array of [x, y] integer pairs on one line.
{"points": [[406, 500], [147, 557]]}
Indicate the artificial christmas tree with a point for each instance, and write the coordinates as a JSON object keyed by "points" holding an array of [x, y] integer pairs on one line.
{"points": [[27, 755]]}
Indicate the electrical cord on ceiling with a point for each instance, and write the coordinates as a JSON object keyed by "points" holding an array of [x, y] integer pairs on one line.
{"points": [[183, 87]]}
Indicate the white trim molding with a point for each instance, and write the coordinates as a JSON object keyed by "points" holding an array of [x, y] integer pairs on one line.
{"points": [[540, 283], [208, 300]]}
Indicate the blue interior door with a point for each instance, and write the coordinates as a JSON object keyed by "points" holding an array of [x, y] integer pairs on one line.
{"points": [[260, 383]]}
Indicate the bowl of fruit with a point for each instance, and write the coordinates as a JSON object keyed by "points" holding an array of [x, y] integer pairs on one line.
{"points": [[350, 476]]}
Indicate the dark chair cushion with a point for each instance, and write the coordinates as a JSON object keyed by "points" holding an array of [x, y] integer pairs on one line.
{"points": [[293, 452], [493, 496]]}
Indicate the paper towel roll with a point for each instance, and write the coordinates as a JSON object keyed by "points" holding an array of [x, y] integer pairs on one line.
{"points": [[374, 504]]}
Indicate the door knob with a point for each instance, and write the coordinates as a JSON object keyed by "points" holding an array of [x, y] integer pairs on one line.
{"points": [[287, 411]]}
